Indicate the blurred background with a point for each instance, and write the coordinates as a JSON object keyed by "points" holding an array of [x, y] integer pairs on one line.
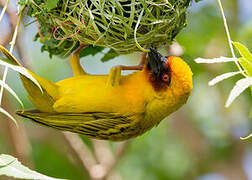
{"points": [[198, 142]]}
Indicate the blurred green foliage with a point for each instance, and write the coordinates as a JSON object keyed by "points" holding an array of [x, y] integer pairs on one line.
{"points": [[54, 162]]}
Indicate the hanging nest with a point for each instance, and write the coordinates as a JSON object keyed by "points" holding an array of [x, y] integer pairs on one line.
{"points": [[125, 26]]}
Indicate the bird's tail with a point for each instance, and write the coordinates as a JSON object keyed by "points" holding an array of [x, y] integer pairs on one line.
{"points": [[49, 119], [10, 58], [42, 100]]}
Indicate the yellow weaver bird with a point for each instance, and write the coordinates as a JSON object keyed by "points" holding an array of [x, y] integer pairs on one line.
{"points": [[110, 107]]}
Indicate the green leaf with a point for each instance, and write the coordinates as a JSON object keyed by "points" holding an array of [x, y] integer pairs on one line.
{"points": [[90, 50], [21, 5], [222, 77], [245, 60], [2, 166], [250, 113], [239, 87], [50, 4], [109, 55], [10, 166], [243, 50], [215, 60], [246, 65]]}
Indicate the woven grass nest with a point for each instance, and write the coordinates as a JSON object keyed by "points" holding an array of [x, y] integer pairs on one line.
{"points": [[124, 26]]}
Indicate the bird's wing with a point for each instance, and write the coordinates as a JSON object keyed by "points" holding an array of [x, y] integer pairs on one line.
{"points": [[99, 125]]}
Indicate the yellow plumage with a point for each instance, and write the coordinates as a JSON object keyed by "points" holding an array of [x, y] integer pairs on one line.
{"points": [[112, 107]]}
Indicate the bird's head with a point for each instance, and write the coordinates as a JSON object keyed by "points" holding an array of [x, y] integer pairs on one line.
{"points": [[169, 73], [171, 79]]}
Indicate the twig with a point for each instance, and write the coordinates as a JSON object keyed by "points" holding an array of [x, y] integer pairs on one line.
{"points": [[107, 159], [120, 151], [18, 140], [229, 38], [103, 153], [81, 150]]}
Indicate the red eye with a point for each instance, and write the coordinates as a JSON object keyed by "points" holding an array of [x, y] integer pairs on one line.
{"points": [[165, 78]]}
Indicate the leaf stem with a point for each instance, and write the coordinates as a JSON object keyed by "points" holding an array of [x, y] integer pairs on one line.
{"points": [[229, 38]]}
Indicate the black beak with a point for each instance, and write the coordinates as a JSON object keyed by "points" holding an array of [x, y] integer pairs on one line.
{"points": [[156, 62]]}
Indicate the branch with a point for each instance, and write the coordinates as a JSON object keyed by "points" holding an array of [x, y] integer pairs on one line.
{"points": [[102, 168], [120, 151], [17, 138], [82, 151], [107, 159]]}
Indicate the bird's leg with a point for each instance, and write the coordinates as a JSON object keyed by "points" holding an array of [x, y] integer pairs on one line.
{"points": [[75, 61], [137, 67], [115, 72]]}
